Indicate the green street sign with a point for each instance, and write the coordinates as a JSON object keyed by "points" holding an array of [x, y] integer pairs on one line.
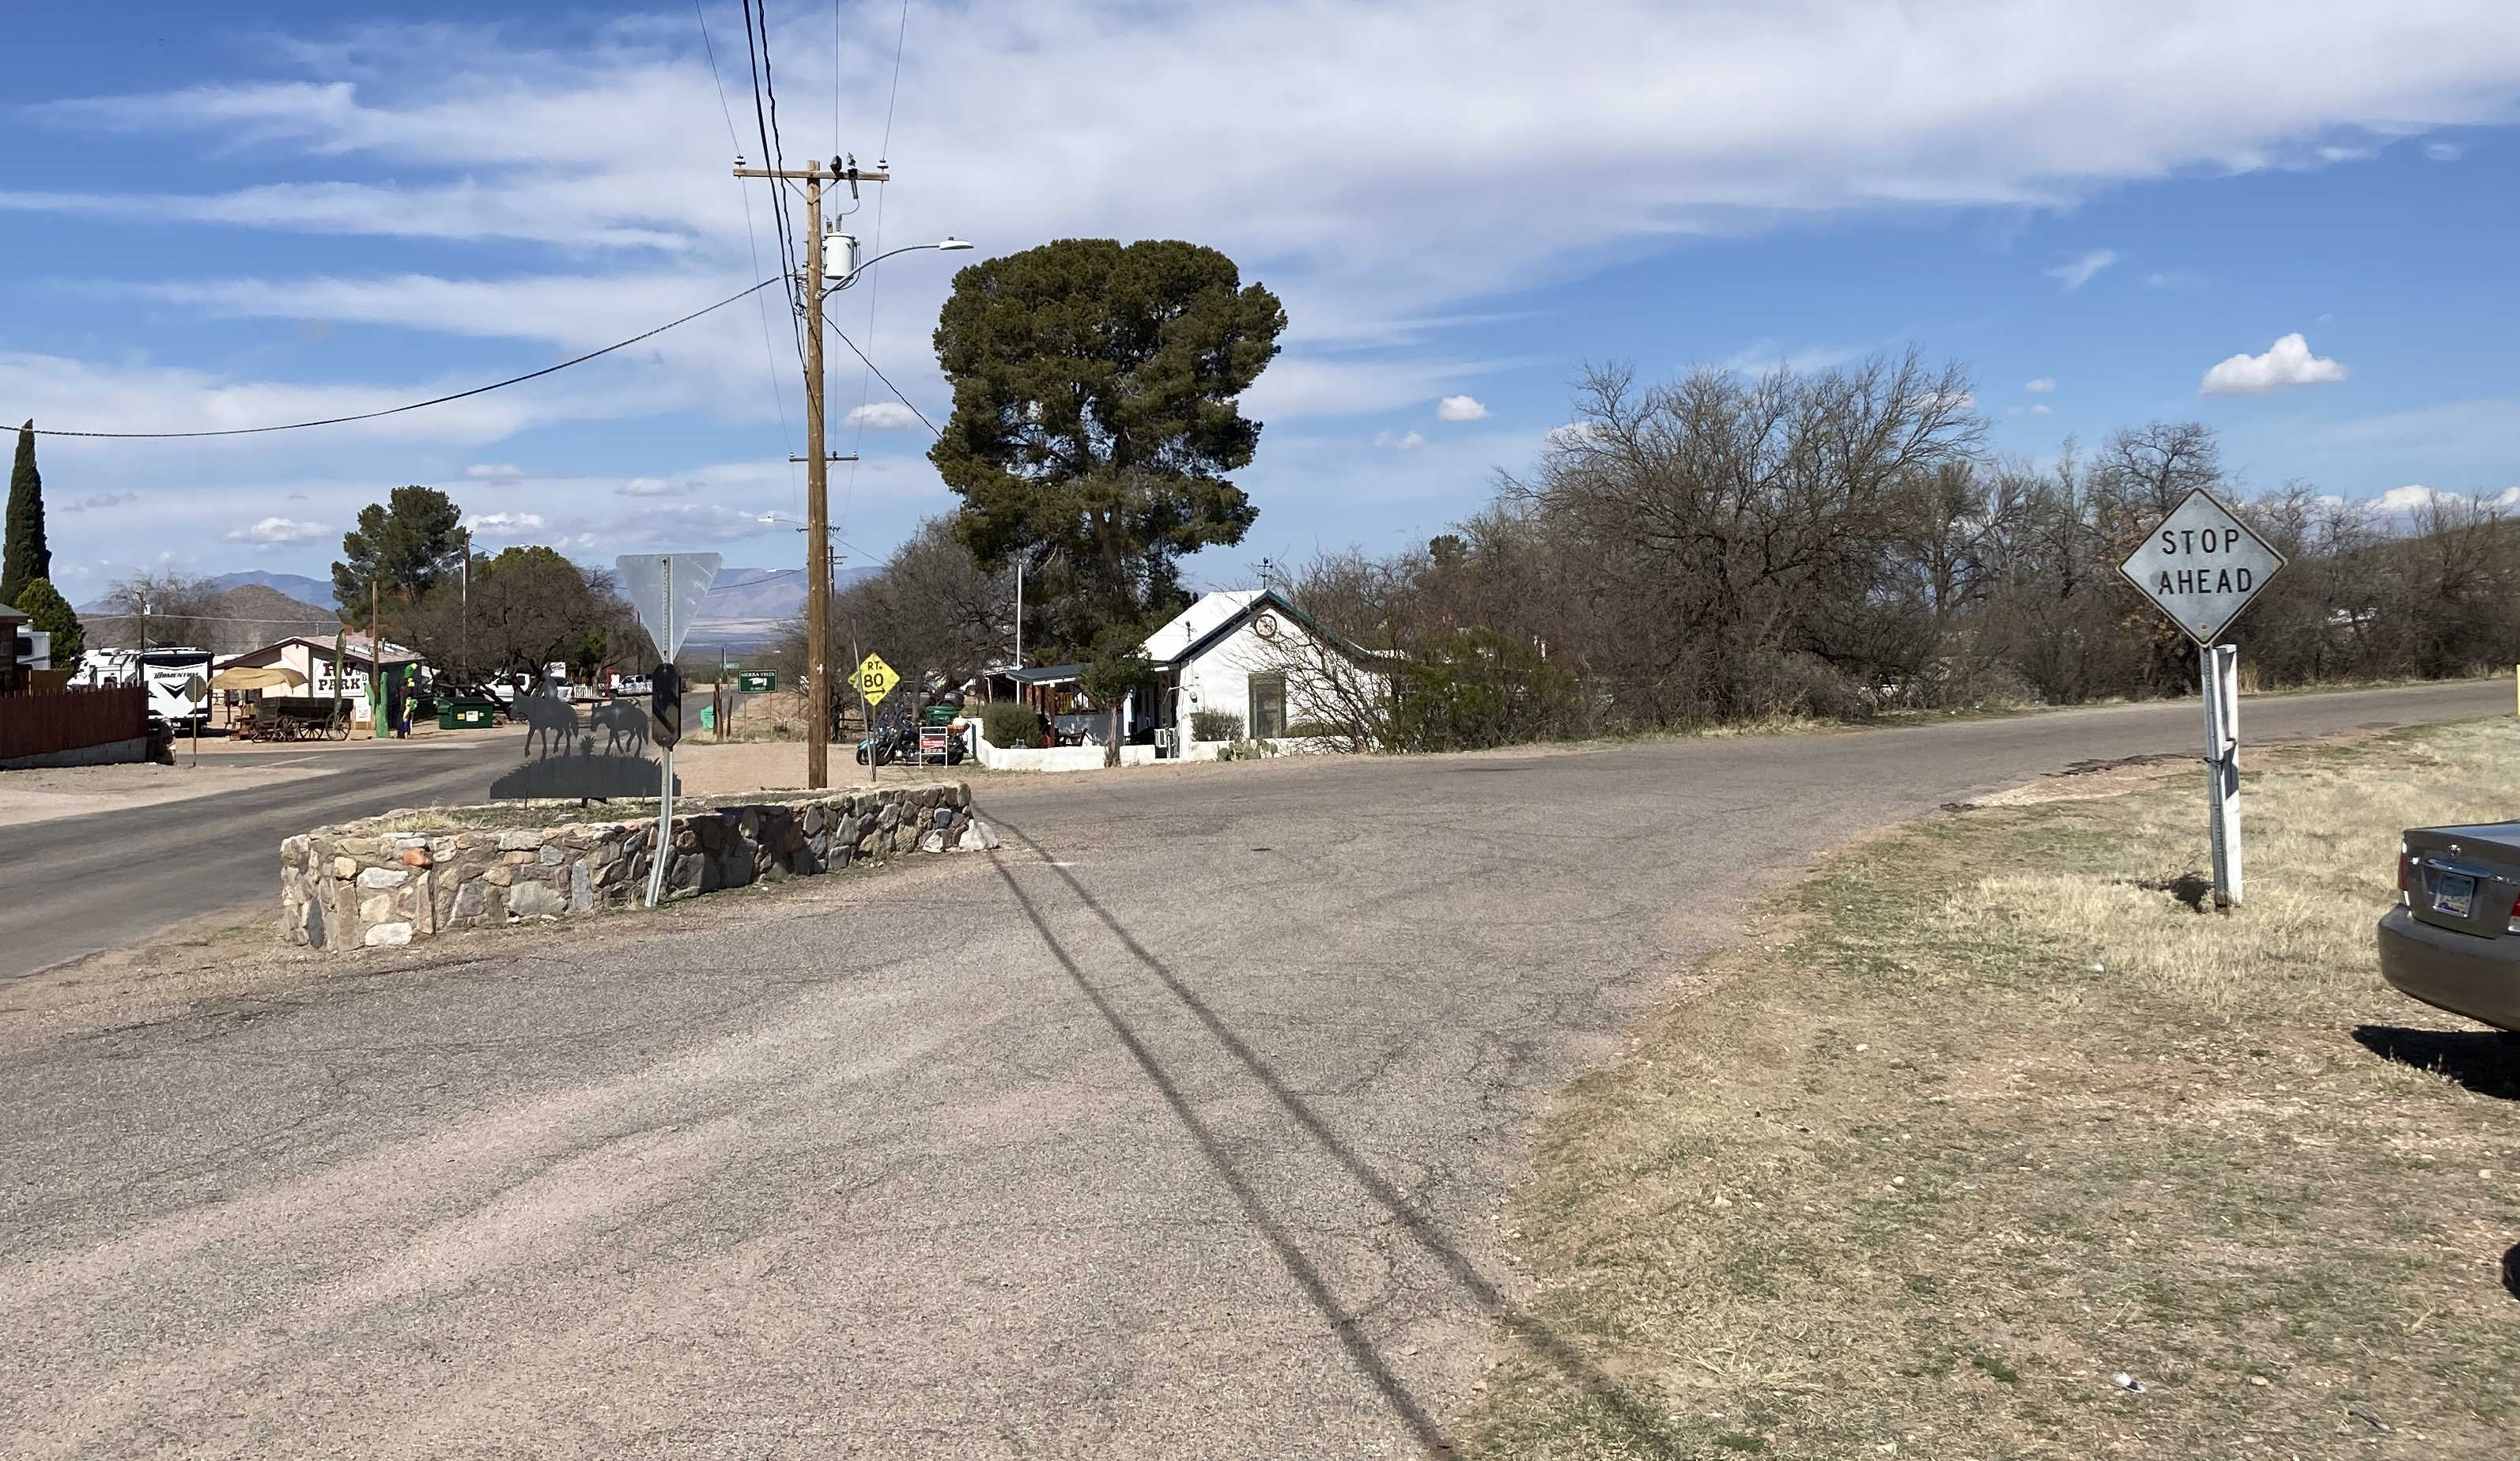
{"points": [[755, 682]]}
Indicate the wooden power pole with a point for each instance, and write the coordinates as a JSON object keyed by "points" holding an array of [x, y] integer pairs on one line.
{"points": [[817, 504]]}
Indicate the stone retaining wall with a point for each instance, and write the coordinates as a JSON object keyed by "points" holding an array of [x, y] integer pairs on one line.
{"points": [[364, 885]]}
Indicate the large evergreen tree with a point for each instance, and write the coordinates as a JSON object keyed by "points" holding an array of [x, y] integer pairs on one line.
{"points": [[1095, 420], [403, 545], [47, 611], [25, 556]]}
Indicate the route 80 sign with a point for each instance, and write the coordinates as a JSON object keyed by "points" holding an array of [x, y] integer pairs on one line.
{"points": [[875, 679], [2202, 566]]}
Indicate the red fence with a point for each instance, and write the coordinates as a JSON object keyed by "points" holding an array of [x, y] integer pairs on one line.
{"points": [[38, 724]]}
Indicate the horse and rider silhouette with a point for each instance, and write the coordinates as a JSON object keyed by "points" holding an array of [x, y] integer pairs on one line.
{"points": [[554, 722]]}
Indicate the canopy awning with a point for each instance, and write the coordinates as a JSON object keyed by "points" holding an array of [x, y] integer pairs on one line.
{"points": [[255, 676]]}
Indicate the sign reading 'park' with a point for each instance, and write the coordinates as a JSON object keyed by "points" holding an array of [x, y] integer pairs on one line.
{"points": [[2202, 566]]}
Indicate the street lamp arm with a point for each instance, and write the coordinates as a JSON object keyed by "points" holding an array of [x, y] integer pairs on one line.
{"points": [[949, 245]]}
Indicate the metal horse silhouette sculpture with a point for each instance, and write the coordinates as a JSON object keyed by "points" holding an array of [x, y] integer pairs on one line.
{"points": [[624, 722], [550, 718], [572, 766]]}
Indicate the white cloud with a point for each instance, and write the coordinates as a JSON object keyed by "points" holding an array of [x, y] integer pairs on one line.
{"points": [[2288, 362], [493, 471], [2040, 409], [2173, 279], [2041, 387], [279, 530], [502, 525], [654, 487], [884, 416], [1461, 409], [1571, 435], [2443, 152], [2399, 501], [1409, 441], [2078, 272]]}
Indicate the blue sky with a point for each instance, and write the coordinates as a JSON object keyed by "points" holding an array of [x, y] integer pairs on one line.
{"points": [[237, 214]]}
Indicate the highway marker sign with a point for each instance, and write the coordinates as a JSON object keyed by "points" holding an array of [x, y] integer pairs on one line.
{"points": [[875, 679], [2202, 566]]}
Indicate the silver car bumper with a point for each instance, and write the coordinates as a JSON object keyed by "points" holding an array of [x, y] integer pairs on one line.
{"points": [[2479, 978]]}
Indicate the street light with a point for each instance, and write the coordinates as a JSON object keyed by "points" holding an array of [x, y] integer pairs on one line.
{"points": [[840, 256]]}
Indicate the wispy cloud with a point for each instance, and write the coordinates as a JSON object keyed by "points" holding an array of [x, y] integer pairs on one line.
{"points": [[2443, 152], [2041, 387], [2079, 271], [1407, 441], [279, 530], [1461, 409]]}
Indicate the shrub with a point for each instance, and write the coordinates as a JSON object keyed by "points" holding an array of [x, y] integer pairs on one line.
{"points": [[1011, 724], [1215, 724]]}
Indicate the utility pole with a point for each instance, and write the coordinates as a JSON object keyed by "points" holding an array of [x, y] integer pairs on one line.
{"points": [[817, 544], [376, 662]]}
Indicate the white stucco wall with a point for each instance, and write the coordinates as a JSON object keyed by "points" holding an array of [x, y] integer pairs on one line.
{"points": [[1220, 679]]}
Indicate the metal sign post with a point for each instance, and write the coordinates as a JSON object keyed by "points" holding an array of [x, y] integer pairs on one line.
{"points": [[666, 590], [2202, 566]]}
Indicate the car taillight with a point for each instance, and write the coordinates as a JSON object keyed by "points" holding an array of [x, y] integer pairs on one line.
{"points": [[2406, 876], [2511, 920]]}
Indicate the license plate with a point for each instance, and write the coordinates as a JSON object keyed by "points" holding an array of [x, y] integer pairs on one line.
{"points": [[2454, 893]]}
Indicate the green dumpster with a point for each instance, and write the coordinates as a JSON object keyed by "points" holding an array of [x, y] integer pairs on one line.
{"points": [[467, 714]]}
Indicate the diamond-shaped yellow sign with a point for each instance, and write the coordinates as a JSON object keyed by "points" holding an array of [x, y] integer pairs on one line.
{"points": [[875, 679]]}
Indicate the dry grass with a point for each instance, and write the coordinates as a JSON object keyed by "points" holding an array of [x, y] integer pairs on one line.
{"points": [[1989, 1112]]}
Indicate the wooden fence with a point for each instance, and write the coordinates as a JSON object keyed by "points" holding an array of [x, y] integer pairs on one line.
{"points": [[37, 724]]}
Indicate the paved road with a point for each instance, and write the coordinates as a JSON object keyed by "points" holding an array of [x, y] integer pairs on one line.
{"points": [[73, 885], [1174, 1128]]}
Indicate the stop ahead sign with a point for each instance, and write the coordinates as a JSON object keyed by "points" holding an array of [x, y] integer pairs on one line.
{"points": [[2202, 566]]}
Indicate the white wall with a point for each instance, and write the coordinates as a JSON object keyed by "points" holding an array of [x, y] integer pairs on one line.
{"points": [[1220, 679]]}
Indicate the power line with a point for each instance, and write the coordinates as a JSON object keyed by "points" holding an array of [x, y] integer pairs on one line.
{"points": [[874, 287], [886, 380], [752, 244], [368, 416]]}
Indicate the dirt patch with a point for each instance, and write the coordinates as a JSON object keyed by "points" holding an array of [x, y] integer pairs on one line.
{"points": [[1988, 1116]]}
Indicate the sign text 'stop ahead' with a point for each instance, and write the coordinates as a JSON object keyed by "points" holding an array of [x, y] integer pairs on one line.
{"points": [[2202, 566]]}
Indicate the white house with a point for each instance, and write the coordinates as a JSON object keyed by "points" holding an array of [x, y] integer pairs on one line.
{"points": [[1251, 655]]}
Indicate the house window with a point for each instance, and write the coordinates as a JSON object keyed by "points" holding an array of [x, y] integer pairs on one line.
{"points": [[1268, 707]]}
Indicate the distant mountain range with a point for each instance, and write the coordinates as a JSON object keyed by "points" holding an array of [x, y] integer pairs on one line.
{"points": [[745, 607], [315, 590]]}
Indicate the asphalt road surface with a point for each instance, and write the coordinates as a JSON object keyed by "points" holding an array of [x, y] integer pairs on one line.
{"points": [[1174, 1128], [72, 885]]}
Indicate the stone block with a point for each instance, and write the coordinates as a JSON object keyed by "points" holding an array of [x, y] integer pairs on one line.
{"points": [[940, 819], [471, 901], [375, 907], [978, 837], [581, 886], [525, 841], [932, 841], [387, 935], [499, 876], [552, 855], [344, 867], [535, 900], [383, 877], [416, 856]]}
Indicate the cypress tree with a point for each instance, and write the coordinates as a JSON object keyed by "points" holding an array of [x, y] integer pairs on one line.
{"points": [[24, 558]]}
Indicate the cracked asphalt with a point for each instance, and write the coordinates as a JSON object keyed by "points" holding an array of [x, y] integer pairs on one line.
{"points": [[1175, 1127]]}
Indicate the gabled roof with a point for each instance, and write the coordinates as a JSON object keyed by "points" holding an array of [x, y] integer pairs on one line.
{"points": [[1238, 607]]}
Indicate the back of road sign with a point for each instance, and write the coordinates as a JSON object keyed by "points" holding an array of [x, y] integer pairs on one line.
{"points": [[2202, 566], [666, 590]]}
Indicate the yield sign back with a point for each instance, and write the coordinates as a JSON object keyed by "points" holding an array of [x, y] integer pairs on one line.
{"points": [[666, 589], [2202, 566]]}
